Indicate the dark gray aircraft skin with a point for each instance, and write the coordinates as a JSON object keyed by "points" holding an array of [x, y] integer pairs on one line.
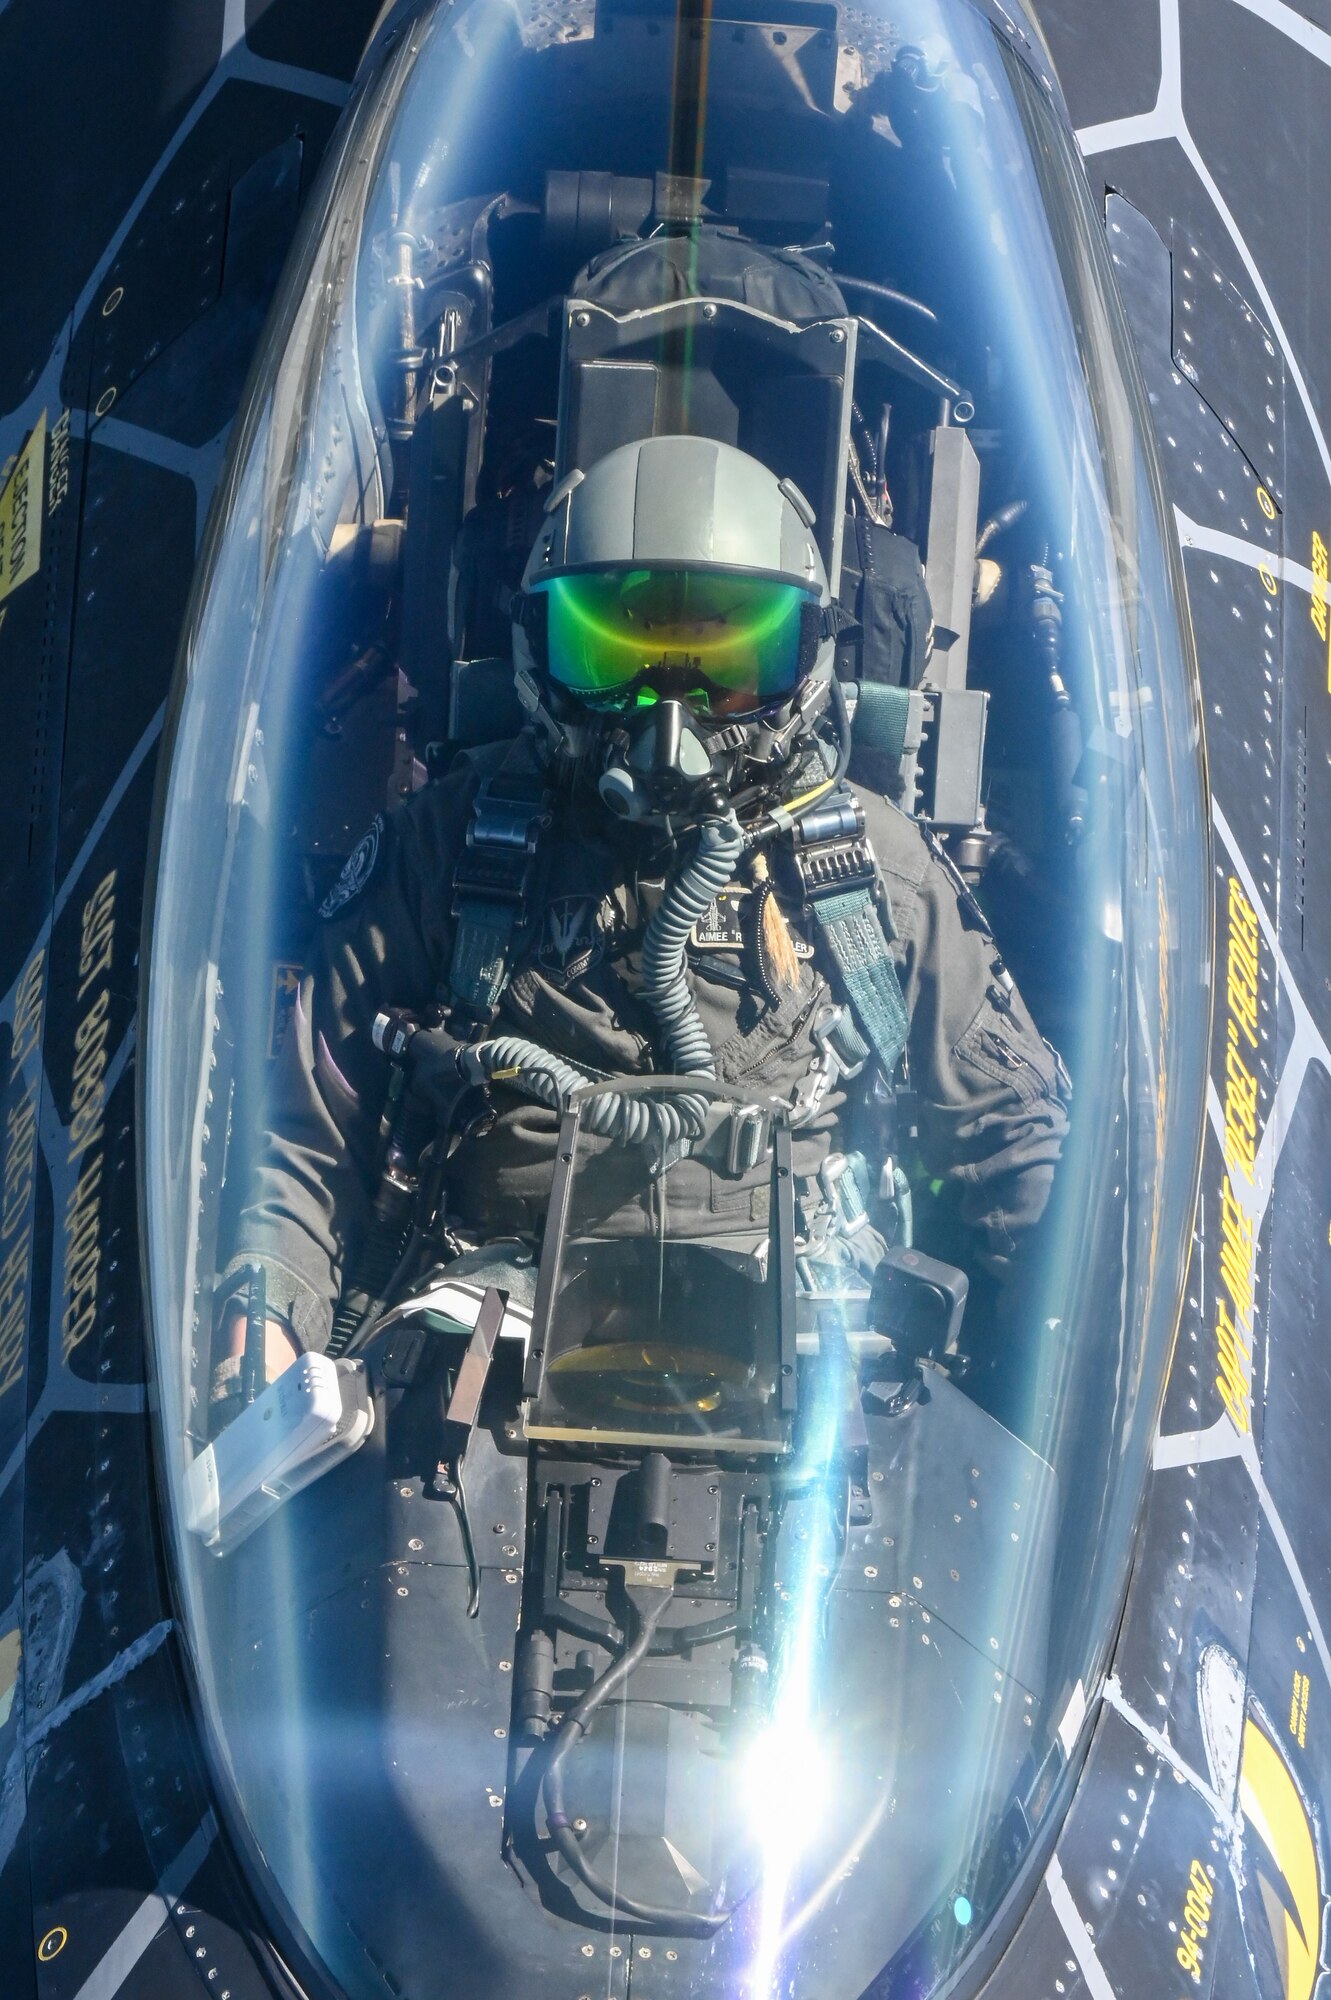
{"points": [[158, 157]]}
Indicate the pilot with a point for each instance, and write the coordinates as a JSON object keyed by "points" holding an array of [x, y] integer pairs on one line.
{"points": [[666, 870]]}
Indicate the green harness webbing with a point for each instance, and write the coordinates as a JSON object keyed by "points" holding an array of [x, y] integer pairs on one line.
{"points": [[845, 894], [883, 719], [853, 933], [498, 870]]}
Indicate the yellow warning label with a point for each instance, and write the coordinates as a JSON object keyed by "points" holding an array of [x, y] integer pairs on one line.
{"points": [[21, 513]]}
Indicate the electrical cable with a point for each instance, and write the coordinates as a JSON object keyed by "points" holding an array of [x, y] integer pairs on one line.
{"points": [[845, 737], [999, 523], [647, 1607], [459, 1500], [377, 1307]]}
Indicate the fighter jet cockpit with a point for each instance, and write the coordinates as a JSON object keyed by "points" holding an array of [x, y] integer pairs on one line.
{"points": [[675, 1013]]}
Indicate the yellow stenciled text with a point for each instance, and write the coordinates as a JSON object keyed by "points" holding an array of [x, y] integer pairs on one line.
{"points": [[88, 1099], [1237, 1293], [83, 1205], [19, 1174], [57, 471], [1196, 1921], [1319, 612]]}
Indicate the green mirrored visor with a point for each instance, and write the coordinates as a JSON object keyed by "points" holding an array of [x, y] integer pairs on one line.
{"points": [[725, 643]]}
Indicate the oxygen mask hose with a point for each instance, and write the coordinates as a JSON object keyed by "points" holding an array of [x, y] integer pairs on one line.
{"points": [[434, 1059], [688, 893], [430, 1053]]}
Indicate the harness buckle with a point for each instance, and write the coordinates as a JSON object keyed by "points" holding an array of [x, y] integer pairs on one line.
{"points": [[507, 823], [498, 863], [831, 848], [836, 1036], [840, 1182], [831, 867], [750, 1133], [830, 1065]]}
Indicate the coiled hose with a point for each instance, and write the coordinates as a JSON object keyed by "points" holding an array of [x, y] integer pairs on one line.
{"points": [[687, 895], [551, 1080]]}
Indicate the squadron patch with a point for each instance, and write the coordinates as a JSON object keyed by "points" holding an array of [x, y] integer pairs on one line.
{"points": [[721, 925], [356, 871], [724, 924], [571, 942]]}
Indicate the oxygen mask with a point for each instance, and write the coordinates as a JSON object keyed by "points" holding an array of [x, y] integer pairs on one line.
{"points": [[681, 666], [660, 766]]}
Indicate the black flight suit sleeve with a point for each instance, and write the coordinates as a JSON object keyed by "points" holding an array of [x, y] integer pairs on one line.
{"points": [[991, 1094], [386, 945]]}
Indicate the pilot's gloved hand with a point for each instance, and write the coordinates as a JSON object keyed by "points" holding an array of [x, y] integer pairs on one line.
{"points": [[432, 1064], [429, 1055]]}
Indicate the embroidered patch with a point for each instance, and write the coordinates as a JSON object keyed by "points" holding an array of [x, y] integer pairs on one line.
{"points": [[722, 925], [571, 942], [282, 1002], [356, 871]]}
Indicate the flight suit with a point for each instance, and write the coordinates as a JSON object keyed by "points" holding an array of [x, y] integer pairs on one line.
{"points": [[990, 1094]]}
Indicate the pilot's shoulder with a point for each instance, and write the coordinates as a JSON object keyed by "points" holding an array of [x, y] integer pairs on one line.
{"points": [[431, 826], [898, 841], [415, 841]]}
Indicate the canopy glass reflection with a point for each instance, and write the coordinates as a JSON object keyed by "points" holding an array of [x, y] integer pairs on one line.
{"points": [[654, 1560]]}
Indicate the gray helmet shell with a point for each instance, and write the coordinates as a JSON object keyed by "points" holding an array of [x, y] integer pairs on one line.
{"points": [[679, 503], [670, 503]]}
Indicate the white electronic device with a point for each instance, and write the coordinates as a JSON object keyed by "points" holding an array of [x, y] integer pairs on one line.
{"points": [[313, 1416]]}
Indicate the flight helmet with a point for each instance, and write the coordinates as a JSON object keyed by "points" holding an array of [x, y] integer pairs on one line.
{"points": [[675, 623]]}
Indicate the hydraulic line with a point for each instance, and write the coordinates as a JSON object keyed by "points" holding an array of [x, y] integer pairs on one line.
{"points": [[647, 1607]]}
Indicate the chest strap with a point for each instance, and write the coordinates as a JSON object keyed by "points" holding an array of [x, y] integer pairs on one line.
{"points": [[846, 896], [494, 885]]}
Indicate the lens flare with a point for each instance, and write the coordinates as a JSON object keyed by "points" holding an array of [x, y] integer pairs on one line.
{"points": [[792, 1778]]}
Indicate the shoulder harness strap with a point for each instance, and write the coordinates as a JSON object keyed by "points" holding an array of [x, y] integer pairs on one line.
{"points": [[846, 894], [494, 883]]}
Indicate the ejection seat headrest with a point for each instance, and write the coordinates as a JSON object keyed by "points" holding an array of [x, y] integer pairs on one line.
{"points": [[715, 263]]}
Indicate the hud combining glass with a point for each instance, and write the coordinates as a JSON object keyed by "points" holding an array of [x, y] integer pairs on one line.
{"points": [[647, 1328]]}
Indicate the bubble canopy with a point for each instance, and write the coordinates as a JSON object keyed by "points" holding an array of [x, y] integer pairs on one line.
{"points": [[634, 1579]]}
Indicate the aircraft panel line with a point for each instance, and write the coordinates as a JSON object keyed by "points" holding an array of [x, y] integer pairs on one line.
{"points": [[81, 859], [113, 1969], [1164, 1749], [1232, 548], [1074, 1929], [236, 61], [1248, 1453], [1166, 121], [117, 1670], [1286, 21], [1205, 1447], [201, 464]]}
